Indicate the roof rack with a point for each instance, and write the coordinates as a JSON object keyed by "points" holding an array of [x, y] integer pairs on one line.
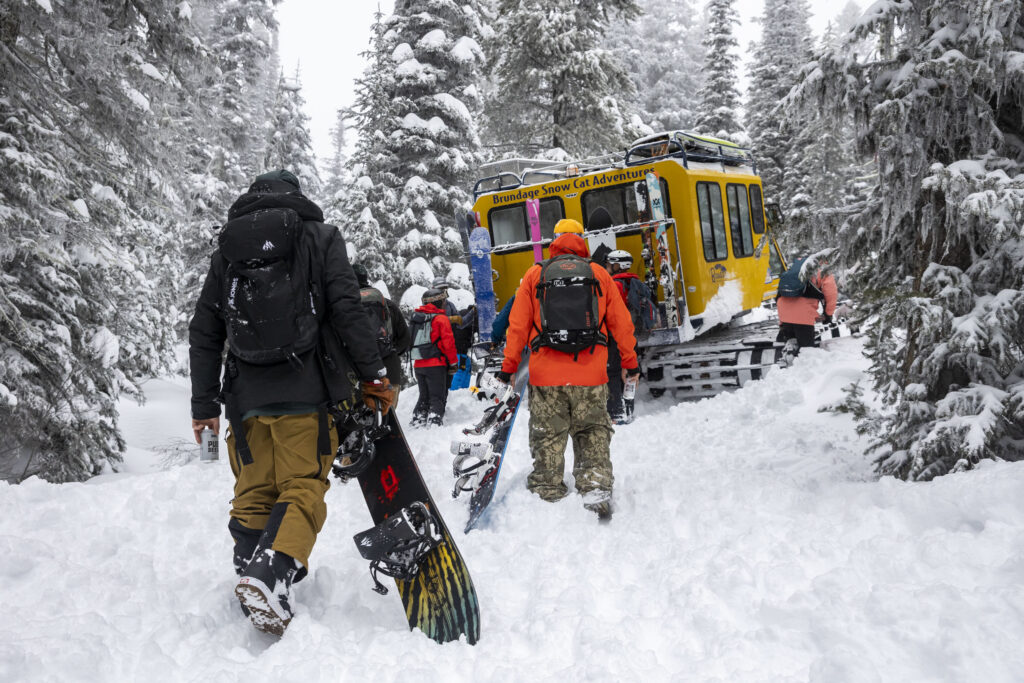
{"points": [[689, 147]]}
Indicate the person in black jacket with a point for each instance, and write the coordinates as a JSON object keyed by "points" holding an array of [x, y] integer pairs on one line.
{"points": [[282, 442], [401, 339]]}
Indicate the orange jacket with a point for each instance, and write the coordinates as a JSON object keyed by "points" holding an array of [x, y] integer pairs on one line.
{"points": [[556, 368], [440, 334], [802, 310]]}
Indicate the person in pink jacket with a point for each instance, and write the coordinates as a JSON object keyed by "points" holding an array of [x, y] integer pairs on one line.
{"points": [[797, 314]]}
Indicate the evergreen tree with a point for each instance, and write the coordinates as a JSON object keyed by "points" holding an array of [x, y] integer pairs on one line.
{"points": [[289, 145], [420, 149], [662, 51], [556, 86], [370, 200], [783, 49], [938, 244], [89, 236], [719, 98]]}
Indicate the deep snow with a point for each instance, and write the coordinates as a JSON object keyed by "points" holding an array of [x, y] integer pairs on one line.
{"points": [[750, 543]]}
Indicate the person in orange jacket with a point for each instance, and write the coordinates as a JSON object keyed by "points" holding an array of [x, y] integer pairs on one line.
{"points": [[797, 314], [433, 353], [569, 391]]}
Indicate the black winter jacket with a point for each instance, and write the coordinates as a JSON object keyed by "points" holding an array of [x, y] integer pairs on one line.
{"points": [[402, 341], [347, 345]]}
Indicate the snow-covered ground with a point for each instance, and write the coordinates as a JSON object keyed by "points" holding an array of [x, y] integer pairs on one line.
{"points": [[750, 543]]}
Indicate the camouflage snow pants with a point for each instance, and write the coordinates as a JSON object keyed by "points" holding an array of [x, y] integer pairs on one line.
{"points": [[557, 413]]}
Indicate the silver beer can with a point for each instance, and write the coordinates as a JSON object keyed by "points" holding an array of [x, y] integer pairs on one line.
{"points": [[208, 446]]}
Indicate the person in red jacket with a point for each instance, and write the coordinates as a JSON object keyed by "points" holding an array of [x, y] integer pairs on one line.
{"points": [[433, 352], [569, 392]]}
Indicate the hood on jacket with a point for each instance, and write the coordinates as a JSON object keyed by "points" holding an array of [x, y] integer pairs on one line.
{"points": [[258, 201], [569, 243], [429, 308], [625, 276]]}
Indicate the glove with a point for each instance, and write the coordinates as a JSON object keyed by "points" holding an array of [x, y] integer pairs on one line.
{"points": [[503, 377], [629, 374], [379, 391], [453, 368], [827, 319], [463, 361], [456, 319]]}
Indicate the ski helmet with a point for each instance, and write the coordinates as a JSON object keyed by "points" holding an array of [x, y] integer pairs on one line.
{"points": [[432, 296], [620, 257]]}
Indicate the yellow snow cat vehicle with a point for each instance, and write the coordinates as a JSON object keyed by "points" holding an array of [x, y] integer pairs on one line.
{"points": [[691, 212]]}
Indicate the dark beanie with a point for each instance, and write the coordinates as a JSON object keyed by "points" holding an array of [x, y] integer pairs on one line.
{"points": [[275, 182]]}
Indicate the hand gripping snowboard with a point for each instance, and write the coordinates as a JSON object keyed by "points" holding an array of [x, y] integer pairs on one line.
{"points": [[477, 465], [419, 551]]}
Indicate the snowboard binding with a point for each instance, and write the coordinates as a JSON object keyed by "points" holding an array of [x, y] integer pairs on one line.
{"points": [[472, 463], [395, 546], [505, 401], [357, 450]]}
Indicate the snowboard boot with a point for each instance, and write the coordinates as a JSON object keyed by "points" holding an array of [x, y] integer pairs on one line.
{"points": [[246, 540], [264, 590], [418, 420], [435, 420], [599, 502]]}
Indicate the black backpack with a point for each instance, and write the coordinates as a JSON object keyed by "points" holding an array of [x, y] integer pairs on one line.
{"points": [[269, 302], [421, 327], [640, 305], [380, 318], [569, 297], [791, 285]]}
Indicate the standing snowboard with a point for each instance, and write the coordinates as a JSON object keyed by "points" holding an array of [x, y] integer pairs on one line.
{"points": [[483, 280], [440, 599]]}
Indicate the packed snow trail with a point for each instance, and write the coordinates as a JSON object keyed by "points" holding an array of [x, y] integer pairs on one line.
{"points": [[750, 543]]}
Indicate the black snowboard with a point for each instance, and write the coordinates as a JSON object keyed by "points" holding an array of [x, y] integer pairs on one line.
{"points": [[440, 600]]}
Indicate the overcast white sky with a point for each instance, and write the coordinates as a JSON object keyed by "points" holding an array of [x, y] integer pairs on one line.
{"points": [[324, 38]]}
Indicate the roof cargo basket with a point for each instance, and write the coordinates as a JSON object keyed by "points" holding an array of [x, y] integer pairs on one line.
{"points": [[688, 147]]}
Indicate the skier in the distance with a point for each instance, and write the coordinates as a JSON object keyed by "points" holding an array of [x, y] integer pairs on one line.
{"points": [[394, 342], [278, 395], [798, 305], [569, 391]]}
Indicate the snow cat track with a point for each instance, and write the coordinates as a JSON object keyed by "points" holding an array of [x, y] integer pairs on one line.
{"points": [[721, 360]]}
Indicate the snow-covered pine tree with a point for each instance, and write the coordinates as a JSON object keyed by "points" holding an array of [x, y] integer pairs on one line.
{"points": [[289, 144], [88, 229], [719, 100], [431, 135], [784, 47], [938, 247], [557, 87], [368, 208], [662, 52]]}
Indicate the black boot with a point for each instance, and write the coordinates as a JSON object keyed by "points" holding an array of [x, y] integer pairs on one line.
{"points": [[265, 588], [246, 540]]}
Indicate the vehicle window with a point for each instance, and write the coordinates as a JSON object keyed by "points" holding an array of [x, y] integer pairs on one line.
{"points": [[757, 209], [739, 220], [620, 201], [551, 211], [508, 225], [712, 221]]}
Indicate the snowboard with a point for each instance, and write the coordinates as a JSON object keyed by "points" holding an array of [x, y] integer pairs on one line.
{"points": [[533, 218], [440, 600], [492, 454], [483, 279]]}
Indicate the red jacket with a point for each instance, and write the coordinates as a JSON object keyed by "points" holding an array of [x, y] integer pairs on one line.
{"points": [[620, 279], [556, 368], [440, 334], [802, 310]]}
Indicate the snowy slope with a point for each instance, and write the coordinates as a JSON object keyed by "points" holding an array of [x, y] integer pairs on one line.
{"points": [[750, 543]]}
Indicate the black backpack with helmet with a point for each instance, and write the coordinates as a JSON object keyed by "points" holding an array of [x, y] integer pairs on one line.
{"points": [[380, 318], [569, 297]]}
